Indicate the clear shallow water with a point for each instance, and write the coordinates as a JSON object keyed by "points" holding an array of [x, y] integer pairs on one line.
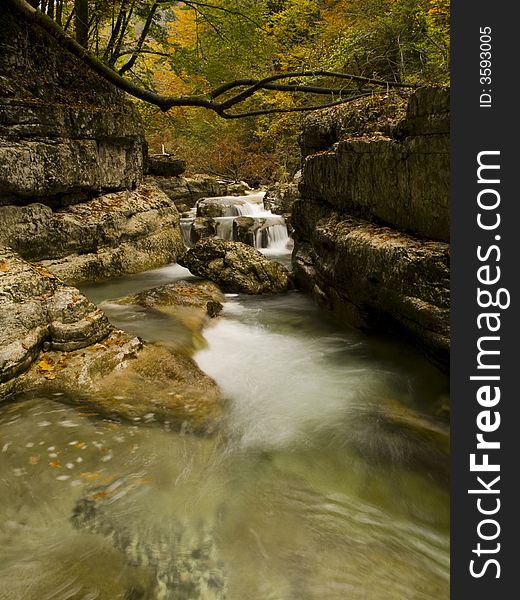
{"points": [[328, 480]]}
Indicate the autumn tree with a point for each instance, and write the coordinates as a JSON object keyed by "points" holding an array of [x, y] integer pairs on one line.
{"points": [[265, 60]]}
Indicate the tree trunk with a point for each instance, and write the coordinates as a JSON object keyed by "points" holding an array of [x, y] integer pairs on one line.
{"points": [[81, 22]]}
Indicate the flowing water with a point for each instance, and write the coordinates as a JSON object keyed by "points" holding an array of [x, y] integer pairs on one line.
{"points": [[271, 234], [327, 481]]}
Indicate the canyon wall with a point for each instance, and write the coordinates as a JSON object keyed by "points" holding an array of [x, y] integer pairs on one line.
{"points": [[372, 223], [72, 154]]}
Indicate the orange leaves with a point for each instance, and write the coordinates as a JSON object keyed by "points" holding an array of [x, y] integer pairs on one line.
{"points": [[89, 476], [46, 364], [4, 267], [55, 464], [43, 271]]}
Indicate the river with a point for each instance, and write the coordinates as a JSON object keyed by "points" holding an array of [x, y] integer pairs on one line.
{"points": [[327, 480]]}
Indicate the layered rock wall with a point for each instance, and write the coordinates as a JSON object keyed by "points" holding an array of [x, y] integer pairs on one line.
{"points": [[65, 134], [72, 153], [372, 226]]}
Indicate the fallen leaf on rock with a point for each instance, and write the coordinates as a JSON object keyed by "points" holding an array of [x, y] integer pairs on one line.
{"points": [[4, 267], [46, 364], [55, 464]]}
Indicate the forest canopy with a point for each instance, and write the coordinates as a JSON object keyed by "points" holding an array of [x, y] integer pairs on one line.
{"points": [[190, 48]]}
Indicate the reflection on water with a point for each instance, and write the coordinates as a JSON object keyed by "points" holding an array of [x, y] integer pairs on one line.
{"points": [[327, 481]]}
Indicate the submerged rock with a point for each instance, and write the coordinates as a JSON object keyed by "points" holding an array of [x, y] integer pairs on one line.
{"points": [[202, 295], [390, 434], [236, 267], [181, 557]]}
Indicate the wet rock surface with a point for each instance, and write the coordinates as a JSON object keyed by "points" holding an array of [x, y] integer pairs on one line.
{"points": [[202, 295], [236, 267], [245, 230]]}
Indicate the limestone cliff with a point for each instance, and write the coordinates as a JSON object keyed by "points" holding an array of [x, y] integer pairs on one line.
{"points": [[72, 151], [372, 224]]}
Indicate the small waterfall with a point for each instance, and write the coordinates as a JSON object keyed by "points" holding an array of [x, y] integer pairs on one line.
{"points": [[270, 234], [225, 227], [186, 223]]}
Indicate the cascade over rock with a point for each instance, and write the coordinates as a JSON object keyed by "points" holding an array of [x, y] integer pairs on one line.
{"points": [[236, 267], [372, 225], [236, 218]]}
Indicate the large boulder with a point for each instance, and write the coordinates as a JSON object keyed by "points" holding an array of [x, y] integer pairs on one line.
{"points": [[53, 339], [118, 233], [66, 134], [236, 267], [37, 309]]}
